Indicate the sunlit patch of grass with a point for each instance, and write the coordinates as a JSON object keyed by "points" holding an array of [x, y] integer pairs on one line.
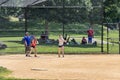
{"points": [[4, 71], [13, 19]]}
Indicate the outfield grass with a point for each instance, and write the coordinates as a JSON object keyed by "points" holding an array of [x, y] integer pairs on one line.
{"points": [[16, 46]]}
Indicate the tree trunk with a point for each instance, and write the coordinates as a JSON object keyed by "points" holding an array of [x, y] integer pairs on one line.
{"points": [[91, 20]]}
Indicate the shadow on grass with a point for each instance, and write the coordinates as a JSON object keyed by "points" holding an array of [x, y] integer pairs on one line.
{"points": [[15, 46], [56, 45], [14, 41], [81, 46], [84, 46]]}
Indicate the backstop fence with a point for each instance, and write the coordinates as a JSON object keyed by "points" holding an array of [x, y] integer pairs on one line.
{"points": [[72, 19]]}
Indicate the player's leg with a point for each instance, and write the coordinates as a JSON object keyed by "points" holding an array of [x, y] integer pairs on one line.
{"points": [[35, 52], [28, 51], [59, 50], [31, 50], [63, 51], [90, 39]]}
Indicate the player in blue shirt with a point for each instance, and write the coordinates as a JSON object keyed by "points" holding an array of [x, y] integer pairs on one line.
{"points": [[27, 43]]}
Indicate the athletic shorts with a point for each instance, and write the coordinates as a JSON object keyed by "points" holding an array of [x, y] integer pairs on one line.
{"points": [[28, 48], [60, 45], [33, 46]]}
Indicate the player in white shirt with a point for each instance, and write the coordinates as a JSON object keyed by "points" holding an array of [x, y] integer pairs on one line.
{"points": [[61, 45]]}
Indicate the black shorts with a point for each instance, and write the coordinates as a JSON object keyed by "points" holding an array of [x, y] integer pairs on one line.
{"points": [[33, 46], [60, 45]]}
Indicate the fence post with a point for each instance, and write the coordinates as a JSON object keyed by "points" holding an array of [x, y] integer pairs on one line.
{"points": [[25, 16], [63, 22], [107, 39], [103, 19], [119, 25]]}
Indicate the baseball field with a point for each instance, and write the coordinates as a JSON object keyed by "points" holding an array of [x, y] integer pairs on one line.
{"points": [[71, 67]]}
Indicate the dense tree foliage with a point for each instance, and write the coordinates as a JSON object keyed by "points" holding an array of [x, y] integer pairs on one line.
{"points": [[112, 10], [87, 11]]}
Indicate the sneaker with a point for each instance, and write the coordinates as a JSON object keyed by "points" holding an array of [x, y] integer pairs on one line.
{"points": [[28, 55], [35, 55]]}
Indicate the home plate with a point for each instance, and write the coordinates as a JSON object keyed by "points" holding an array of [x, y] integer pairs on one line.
{"points": [[39, 69]]}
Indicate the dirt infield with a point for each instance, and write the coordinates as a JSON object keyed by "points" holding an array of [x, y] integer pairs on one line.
{"points": [[71, 67]]}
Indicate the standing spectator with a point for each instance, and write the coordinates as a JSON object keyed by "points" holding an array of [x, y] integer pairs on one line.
{"points": [[61, 45], [90, 35], [33, 45], [27, 43], [84, 41]]}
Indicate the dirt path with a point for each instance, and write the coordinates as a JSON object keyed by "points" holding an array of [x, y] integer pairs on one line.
{"points": [[72, 67]]}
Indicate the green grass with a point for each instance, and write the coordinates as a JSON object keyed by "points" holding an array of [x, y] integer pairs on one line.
{"points": [[15, 45], [4, 72], [77, 30], [12, 27]]}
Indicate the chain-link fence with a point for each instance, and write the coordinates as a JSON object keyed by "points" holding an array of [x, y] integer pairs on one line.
{"points": [[50, 18]]}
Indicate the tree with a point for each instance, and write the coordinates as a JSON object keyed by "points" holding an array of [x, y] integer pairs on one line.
{"points": [[112, 9]]}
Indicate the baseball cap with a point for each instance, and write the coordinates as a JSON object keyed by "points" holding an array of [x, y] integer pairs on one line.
{"points": [[27, 33]]}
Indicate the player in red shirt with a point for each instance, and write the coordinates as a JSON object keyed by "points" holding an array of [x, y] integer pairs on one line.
{"points": [[90, 35], [33, 45]]}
